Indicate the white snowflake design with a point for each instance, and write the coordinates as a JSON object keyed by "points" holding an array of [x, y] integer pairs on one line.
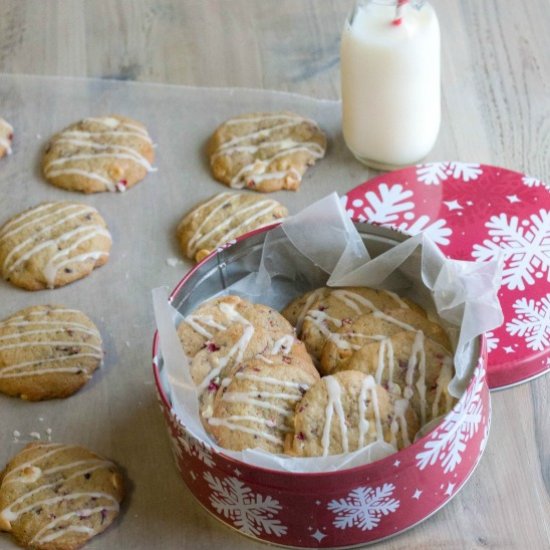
{"points": [[529, 181], [364, 507], [386, 204], [193, 447], [250, 512], [492, 341], [532, 322], [449, 439], [485, 437], [433, 173], [525, 245]]}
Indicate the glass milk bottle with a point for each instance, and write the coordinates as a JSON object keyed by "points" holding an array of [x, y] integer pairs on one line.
{"points": [[390, 65]]}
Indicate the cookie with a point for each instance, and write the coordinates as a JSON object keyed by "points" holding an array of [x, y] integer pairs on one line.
{"points": [[295, 311], [337, 307], [224, 217], [218, 314], [6, 137], [240, 342], [53, 244], [110, 153], [376, 326], [254, 408], [412, 367], [346, 412], [265, 151], [47, 352], [57, 497]]}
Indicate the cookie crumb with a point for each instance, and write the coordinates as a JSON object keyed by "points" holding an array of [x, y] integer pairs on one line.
{"points": [[173, 262]]}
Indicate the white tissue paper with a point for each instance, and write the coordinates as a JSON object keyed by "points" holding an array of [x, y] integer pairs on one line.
{"points": [[324, 248]]}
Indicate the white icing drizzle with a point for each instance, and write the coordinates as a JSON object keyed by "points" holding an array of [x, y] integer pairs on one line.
{"points": [[354, 301], [41, 537], [89, 140], [6, 129], [445, 375], [334, 392], [75, 327], [283, 344], [194, 320], [263, 400], [304, 311], [51, 343], [256, 170], [225, 422], [400, 302], [385, 350], [16, 508], [400, 423], [417, 361], [367, 385], [393, 320], [270, 380], [51, 238], [237, 350], [25, 368], [257, 210]]}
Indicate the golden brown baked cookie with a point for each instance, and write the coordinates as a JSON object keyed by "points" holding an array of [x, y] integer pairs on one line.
{"points": [[110, 153], [57, 497], [6, 137], [53, 244], [218, 314], [254, 407], [413, 367], [265, 151], [224, 217], [47, 352], [345, 412], [336, 307], [376, 326]]}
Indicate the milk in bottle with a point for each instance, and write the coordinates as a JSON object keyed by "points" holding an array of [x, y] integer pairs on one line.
{"points": [[390, 69]]}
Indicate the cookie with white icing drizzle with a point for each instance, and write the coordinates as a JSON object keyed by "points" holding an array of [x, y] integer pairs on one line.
{"points": [[346, 412], [240, 342], [6, 137], [412, 367], [339, 349], [57, 497], [224, 217], [47, 352], [109, 153], [218, 314], [254, 408], [265, 151], [323, 314], [53, 244]]}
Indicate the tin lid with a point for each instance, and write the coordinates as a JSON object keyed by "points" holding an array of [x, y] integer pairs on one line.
{"points": [[473, 212]]}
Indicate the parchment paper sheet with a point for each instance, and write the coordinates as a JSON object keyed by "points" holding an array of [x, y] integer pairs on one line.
{"points": [[116, 414], [461, 295]]}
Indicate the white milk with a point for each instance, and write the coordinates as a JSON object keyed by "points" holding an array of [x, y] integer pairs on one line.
{"points": [[390, 83]]}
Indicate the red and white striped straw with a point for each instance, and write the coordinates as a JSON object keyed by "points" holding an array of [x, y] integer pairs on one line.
{"points": [[398, 9]]}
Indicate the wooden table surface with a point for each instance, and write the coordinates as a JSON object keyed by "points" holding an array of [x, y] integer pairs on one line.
{"points": [[496, 110]]}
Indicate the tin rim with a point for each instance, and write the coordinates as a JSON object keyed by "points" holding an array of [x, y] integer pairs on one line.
{"points": [[482, 352]]}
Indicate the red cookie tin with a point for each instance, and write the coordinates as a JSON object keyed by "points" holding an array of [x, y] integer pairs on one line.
{"points": [[351, 507]]}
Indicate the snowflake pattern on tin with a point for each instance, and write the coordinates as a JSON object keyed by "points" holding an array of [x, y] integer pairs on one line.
{"points": [[530, 181], [525, 245], [449, 441], [364, 507], [492, 341], [387, 205], [251, 513], [434, 173], [193, 447], [532, 322]]}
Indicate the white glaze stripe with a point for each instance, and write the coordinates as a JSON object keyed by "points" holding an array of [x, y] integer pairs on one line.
{"points": [[334, 392], [4, 372]]}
